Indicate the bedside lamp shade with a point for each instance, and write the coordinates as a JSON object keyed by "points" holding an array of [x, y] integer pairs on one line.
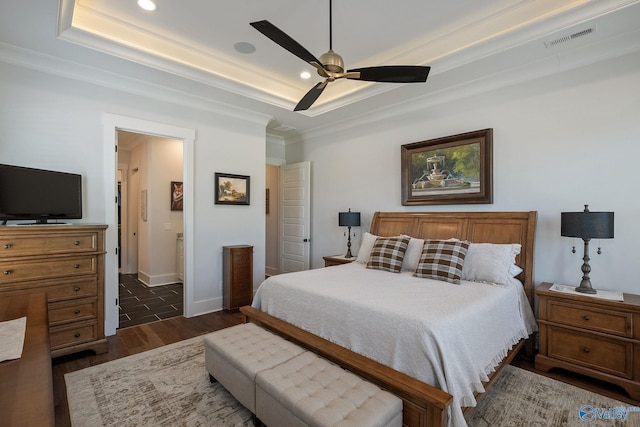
{"points": [[589, 225], [586, 225], [349, 219]]}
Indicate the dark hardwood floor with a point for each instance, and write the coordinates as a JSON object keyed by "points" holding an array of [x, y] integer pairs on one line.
{"points": [[149, 336], [134, 340]]}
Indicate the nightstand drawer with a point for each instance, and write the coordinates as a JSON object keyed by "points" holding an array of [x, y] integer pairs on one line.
{"points": [[596, 352], [595, 319]]}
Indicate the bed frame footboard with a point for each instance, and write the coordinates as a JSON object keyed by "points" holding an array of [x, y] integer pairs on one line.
{"points": [[423, 404]]}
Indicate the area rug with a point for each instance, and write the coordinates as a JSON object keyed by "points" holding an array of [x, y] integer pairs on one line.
{"points": [[169, 386]]}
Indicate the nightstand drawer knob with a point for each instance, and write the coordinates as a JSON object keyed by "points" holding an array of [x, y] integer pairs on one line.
{"points": [[585, 317], [77, 335], [7, 246], [586, 350], [7, 272], [77, 288], [77, 242], [77, 312]]}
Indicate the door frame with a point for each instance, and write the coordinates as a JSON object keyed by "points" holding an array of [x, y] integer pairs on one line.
{"points": [[111, 124]]}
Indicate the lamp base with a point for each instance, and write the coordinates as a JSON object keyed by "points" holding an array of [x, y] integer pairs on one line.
{"points": [[585, 290]]}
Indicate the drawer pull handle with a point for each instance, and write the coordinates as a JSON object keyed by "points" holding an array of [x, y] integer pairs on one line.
{"points": [[77, 312], [76, 266], [77, 242], [7, 272], [77, 288], [7, 245], [585, 317], [586, 350], [77, 335]]}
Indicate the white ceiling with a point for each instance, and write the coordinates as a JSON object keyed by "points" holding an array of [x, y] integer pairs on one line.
{"points": [[188, 46]]}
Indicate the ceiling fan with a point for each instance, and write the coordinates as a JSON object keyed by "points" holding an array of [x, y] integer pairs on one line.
{"points": [[331, 66]]}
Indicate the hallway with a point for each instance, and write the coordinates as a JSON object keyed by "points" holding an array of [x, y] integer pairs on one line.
{"points": [[142, 304]]}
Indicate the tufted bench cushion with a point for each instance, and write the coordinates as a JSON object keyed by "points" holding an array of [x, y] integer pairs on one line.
{"points": [[235, 355], [310, 391]]}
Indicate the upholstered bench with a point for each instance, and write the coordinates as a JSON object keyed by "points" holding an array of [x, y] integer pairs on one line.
{"points": [[310, 391], [235, 355]]}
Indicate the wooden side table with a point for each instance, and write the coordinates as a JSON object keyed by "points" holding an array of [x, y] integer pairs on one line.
{"points": [[336, 260], [237, 276], [591, 336]]}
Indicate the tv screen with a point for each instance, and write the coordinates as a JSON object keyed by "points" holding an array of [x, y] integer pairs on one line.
{"points": [[41, 195]]}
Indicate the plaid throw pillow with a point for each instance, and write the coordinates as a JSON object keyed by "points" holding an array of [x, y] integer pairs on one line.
{"points": [[387, 253], [442, 260]]}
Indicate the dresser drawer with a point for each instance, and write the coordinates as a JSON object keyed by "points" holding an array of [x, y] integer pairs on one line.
{"points": [[603, 354], [18, 271], [63, 336], [73, 289], [72, 311], [14, 246], [592, 318]]}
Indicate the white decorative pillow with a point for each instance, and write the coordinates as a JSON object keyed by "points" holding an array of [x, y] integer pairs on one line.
{"points": [[413, 254], [514, 270], [387, 253], [368, 240], [490, 262]]}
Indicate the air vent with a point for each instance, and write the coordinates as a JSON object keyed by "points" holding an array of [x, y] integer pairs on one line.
{"points": [[570, 37]]}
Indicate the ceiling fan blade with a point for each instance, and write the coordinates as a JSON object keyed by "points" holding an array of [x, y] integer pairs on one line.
{"points": [[392, 74], [281, 38], [311, 96]]}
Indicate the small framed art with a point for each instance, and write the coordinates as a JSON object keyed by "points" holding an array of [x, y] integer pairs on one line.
{"points": [[231, 189]]}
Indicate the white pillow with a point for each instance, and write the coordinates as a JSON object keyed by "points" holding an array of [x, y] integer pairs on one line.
{"points": [[368, 240], [412, 255], [514, 270], [490, 262]]}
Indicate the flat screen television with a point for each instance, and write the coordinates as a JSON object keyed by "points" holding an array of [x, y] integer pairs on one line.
{"points": [[38, 194]]}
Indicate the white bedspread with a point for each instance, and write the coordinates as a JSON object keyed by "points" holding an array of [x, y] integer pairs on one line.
{"points": [[449, 336]]}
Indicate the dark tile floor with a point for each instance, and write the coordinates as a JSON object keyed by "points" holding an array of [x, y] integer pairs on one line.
{"points": [[140, 303]]}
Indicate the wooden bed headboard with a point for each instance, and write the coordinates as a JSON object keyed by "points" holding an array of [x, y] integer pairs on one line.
{"points": [[478, 227]]}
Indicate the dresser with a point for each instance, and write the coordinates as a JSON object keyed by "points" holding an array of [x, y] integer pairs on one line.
{"points": [[237, 276], [67, 263], [592, 336]]}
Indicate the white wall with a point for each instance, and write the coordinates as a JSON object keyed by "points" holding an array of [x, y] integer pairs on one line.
{"points": [[55, 123], [559, 142]]}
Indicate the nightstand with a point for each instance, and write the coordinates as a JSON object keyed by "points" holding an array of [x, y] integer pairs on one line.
{"points": [[336, 260], [591, 336]]}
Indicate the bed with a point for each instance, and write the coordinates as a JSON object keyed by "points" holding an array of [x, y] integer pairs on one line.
{"points": [[436, 353]]}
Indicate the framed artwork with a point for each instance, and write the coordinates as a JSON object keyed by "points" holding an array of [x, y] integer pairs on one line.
{"points": [[176, 195], [231, 189], [455, 169]]}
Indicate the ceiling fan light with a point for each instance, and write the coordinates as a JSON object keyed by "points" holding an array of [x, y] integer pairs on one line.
{"points": [[305, 75], [332, 62], [149, 5]]}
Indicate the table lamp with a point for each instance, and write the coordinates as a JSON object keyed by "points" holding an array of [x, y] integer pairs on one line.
{"points": [[586, 225], [349, 219]]}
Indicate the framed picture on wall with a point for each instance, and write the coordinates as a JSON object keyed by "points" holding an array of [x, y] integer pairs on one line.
{"points": [[231, 189], [451, 170], [176, 195]]}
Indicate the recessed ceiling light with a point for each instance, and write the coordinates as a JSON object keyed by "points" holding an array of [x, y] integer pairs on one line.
{"points": [[149, 5], [244, 47], [305, 75]]}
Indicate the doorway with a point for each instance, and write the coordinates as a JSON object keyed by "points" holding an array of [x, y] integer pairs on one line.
{"points": [[150, 228]]}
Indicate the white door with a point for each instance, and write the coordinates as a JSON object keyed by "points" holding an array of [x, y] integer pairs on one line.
{"points": [[295, 216]]}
